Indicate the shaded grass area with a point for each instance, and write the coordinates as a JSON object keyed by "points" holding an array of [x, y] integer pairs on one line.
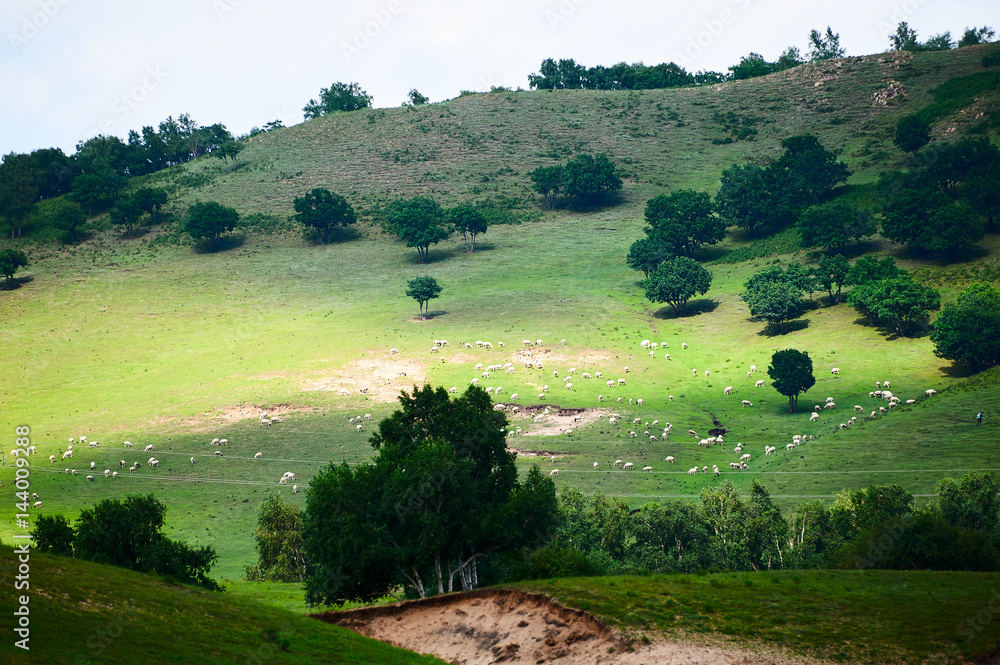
{"points": [[83, 613], [849, 616]]}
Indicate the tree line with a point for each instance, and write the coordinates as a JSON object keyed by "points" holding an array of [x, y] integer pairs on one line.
{"points": [[441, 509]]}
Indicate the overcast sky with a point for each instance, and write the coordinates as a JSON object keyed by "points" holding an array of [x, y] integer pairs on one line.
{"points": [[71, 69]]}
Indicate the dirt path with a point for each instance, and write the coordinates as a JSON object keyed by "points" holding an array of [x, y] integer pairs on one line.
{"points": [[505, 626]]}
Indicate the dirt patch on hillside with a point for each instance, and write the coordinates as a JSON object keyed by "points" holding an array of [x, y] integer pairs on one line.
{"points": [[558, 420], [246, 411], [378, 378], [506, 626]]}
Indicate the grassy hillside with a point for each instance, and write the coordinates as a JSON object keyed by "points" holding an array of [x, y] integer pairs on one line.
{"points": [[87, 613], [128, 339], [847, 616]]}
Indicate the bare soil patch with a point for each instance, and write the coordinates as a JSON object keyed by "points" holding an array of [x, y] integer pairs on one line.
{"points": [[507, 626], [558, 420], [379, 378]]}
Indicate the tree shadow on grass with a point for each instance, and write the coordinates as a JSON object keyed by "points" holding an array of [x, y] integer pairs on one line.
{"points": [[964, 255], [16, 283], [223, 244], [694, 308], [770, 330], [429, 315], [337, 236], [957, 370]]}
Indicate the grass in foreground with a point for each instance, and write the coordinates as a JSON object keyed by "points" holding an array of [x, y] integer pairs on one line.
{"points": [[851, 616], [87, 613]]}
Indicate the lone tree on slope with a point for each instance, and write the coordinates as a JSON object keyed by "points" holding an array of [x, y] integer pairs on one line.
{"points": [[791, 373], [423, 290]]}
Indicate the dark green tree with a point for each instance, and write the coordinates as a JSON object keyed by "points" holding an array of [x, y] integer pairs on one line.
{"points": [[68, 217], [126, 214], [833, 225], [339, 97], [96, 189], [423, 290], [418, 221], [751, 66], [676, 281], [870, 269], [913, 132], [278, 537], [469, 221], [868, 509], [53, 534], [323, 211], [647, 253], [774, 302], [982, 193], [672, 536], [974, 35], [684, 221], [968, 329], [972, 502], [415, 98], [150, 200], [743, 199], [791, 373], [932, 221], [901, 303], [209, 220], [10, 261], [804, 175], [548, 181], [589, 177], [725, 513], [905, 39], [832, 272], [825, 46], [20, 182], [768, 532]]}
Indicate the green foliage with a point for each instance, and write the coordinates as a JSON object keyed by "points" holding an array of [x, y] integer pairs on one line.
{"points": [[832, 271], [647, 253], [791, 373], [548, 181], [743, 199], [469, 221], [676, 281], [323, 211], [128, 534], [805, 175], [825, 47], [442, 492], [683, 221], [931, 221], [673, 536], [552, 561], [900, 302], [10, 260], [968, 329], [418, 221], [568, 75], [833, 225], [589, 178], [126, 214], [279, 543], [957, 93], [150, 200], [783, 242], [209, 220], [972, 502], [912, 133], [415, 98], [20, 181], [870, 269], [53, 534], [423, 289], [905, 38], [68, 217], [775, 295], [975, 35], [339, 97]]}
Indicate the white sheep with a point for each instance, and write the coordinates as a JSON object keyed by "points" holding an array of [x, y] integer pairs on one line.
{"points": [[621, 382], [514, 396], [647, 468], [627, 370], [453, 390], [858, 407], [830, 406], [929, 392], [669, 458], [107, 473], [693, 471], [218, 453], [759, 384], [728, 390], [90, 478], [747, 402], [598, 375], [93, 465], [596, 465], [295, 489], [358, 428], [753, 368], [618, 462], [554, 472], [835, 370], [628, 466], [192, 460], [684, 345], [393, 351], [541, 395], [52, 458]]}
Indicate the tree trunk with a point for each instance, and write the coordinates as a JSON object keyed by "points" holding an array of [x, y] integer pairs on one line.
{"points": [[419, 583], [475, 574], [437, 570], [792, 399]]}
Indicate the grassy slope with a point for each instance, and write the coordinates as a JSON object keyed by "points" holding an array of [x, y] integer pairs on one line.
{"points": [[120, 341], [84, 613], [850, 616]]}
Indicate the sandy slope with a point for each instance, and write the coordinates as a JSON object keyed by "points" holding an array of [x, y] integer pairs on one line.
{"points": [[503, 626]]}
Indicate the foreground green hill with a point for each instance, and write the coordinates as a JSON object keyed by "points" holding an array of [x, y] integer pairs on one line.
{"points": [[88, 613]]}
